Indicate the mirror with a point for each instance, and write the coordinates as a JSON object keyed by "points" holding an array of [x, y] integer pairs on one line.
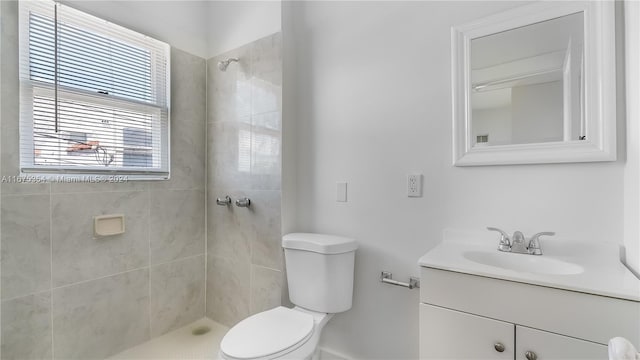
{"points": [[535, 85], [525, 84]]}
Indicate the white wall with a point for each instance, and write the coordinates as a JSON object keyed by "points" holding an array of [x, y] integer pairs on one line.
{"points": [[234, 23], [371, 103], [632, 171], [183, 24], [202, 27]]}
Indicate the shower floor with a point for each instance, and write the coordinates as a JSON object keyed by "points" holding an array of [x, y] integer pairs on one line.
{"points": [[180, 344]]}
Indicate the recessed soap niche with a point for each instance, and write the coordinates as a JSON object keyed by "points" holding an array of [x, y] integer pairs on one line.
{"points": [[108, 225]]}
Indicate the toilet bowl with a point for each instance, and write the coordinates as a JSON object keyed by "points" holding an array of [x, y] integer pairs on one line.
{"points": [[279, 333], [320, 278]]}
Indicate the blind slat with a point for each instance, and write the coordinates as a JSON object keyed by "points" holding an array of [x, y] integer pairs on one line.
{"points": [[101, 63], [92, 135]]}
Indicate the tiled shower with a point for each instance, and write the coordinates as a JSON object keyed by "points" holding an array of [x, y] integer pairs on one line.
{"points": [[68, 295], [244, 267]]}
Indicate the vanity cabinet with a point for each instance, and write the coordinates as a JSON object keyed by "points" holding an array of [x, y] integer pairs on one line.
{"points": [[464, 316], [565, 304], [451, 334]]}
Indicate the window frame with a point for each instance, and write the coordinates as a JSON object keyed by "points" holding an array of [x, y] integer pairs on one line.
{"points": [[159, 109]]}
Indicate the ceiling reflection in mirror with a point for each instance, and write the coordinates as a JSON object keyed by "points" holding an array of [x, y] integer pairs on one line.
{"points": [[526, 84]]}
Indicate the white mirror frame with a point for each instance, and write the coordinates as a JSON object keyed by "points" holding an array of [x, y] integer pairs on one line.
{"points": [[632, 75], [599, 92]]}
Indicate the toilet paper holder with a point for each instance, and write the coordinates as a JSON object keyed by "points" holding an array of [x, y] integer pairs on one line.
{"points": [[387, 278]]}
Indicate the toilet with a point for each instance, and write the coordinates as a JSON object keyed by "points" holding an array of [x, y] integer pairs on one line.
{"points": [[320, 279]]}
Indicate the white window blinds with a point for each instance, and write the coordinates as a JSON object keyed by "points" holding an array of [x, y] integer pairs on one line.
{"points": [[94, 96]]}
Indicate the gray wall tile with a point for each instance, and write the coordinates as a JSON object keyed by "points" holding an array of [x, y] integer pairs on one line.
{"points": [[265, 96], [26, 327], [266, 57], [228, 290], [26, 245], [229, 229], [229, 92], [10, 110], [229, 154], [95, 319], [177, 224], [266, 246], [244, 158], [78, 255], [187, 155], [87, 187], [266, 156], [266, 80], [10, 157], [270, 121], [188, 118], [22, 188], [188, 87], [177, 294], [266, 289]]}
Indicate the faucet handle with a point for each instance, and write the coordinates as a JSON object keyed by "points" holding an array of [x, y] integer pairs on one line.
{"points": [[534, 243], [505, 243]]}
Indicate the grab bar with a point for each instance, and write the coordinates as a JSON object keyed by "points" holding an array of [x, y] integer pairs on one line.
{"points": [[387, 278]]}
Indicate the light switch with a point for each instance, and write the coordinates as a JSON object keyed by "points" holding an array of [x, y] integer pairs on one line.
{"points": [[341, 192]]}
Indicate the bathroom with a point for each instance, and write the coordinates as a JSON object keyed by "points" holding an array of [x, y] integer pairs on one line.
{"points": [[327, 110]]}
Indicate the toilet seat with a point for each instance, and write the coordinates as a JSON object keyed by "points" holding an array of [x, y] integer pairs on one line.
{"points": [[271, 333]]}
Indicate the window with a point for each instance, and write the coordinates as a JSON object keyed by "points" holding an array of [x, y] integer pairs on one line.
{"points": [[94, 96]]}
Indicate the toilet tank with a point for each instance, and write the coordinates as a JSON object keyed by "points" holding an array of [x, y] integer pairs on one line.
{"points": [[320, 271]]}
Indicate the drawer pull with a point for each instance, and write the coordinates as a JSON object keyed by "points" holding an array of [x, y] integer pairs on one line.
{"points": [[530, 355], [499, 347]]}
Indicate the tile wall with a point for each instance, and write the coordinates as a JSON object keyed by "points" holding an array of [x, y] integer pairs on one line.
{"points": [[244, 133], [68, 295]]}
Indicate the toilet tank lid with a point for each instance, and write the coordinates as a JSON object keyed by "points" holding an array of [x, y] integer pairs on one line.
{"points": [[319, 243]]}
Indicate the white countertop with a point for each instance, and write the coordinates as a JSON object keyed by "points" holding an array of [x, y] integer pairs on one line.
{"points": [[603, 273]]}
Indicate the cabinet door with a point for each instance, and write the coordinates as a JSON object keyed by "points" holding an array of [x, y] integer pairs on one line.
{"points": [[548, 346], [449, 334]]}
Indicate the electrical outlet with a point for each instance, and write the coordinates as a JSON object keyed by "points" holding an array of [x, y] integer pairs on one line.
{"points": [[414, 185]]}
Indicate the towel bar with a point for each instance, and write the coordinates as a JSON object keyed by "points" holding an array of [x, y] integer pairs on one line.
{"points": [[387, 278]]}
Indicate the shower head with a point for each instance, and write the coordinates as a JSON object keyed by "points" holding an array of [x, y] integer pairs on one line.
{"points": [[223, 64]]}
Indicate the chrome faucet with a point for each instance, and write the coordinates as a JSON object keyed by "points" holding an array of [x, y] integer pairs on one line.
{"points": [[518, 243]]}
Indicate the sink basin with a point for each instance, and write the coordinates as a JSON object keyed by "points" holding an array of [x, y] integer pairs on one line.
{"points": [[524, 263], [582, 266]]}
